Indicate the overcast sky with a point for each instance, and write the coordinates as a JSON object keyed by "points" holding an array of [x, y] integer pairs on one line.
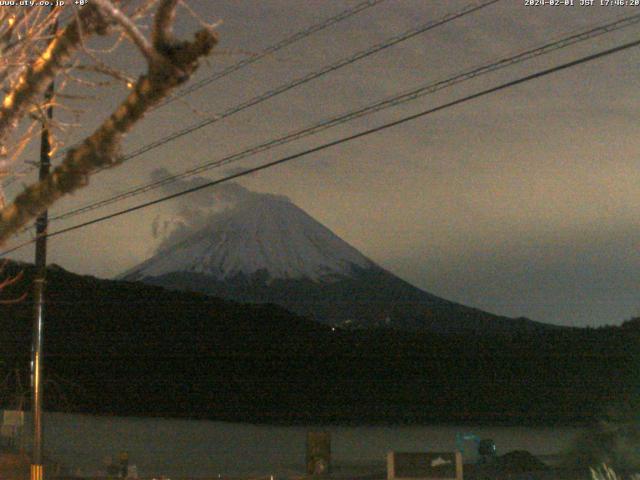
{"points": [[522, 203]]}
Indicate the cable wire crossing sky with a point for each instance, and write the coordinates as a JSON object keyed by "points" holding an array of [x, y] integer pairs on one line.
{"points": [[513, 190]]}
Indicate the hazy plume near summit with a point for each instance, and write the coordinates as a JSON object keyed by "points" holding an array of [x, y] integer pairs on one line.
{"points": [[194, 211], [245, 233], [260, 248]]}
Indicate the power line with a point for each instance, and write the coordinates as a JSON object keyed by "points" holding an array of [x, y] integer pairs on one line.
{"points": [[342, 140], [272, 49], [375, 107], [407, 35], [390, 42], [349, 12]]}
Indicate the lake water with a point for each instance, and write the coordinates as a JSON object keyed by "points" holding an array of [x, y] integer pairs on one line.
{"points": [[195, 448]]}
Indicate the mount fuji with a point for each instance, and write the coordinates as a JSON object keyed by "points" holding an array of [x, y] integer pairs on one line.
{"points": [[265, 249]]}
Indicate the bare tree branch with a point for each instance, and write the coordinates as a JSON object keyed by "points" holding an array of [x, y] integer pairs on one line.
{"points": [[130, 28], [176, 62], [162, 34], [37, 76], [7, 282]]}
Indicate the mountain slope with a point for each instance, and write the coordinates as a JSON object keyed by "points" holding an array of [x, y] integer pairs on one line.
{"points": [[267, 250]]}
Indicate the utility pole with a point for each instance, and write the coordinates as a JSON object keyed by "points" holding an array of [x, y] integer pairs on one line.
{"points": [[37, 467]]}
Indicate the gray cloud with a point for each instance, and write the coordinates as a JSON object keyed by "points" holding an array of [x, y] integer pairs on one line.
{"points": [[193, 211], [520, 202]]}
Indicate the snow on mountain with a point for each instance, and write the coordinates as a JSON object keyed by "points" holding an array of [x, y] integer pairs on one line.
{"points": [[264, 233], [265, 250]]}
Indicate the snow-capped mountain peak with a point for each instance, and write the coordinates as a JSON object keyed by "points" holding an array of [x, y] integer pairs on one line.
{"points": [[267, 250], [268, 234]]}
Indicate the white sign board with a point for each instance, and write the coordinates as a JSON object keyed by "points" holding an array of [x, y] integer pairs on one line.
{"points": [[13, 418], [424, 466]]}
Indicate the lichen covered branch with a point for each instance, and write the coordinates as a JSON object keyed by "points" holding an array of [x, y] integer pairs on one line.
{"points": [[177, 60], [35, 79]]}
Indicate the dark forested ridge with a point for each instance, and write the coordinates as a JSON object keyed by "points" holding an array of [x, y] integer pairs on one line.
{"points": [[132, 349], [367, 298]]}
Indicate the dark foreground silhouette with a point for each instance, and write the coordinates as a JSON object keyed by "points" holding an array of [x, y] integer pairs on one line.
{"points": [[131, 349]]}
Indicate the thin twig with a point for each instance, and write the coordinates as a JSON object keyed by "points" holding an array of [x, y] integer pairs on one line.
{"points": [[101, 149], [38, 75], [130, 28]]}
